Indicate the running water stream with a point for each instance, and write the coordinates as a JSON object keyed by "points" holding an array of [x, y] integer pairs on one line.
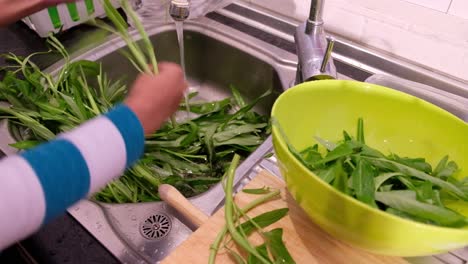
{"points": [[180, 39]]}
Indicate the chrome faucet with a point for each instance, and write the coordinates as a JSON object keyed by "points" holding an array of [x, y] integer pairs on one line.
{"points": [[179, 9], [314, 48]]}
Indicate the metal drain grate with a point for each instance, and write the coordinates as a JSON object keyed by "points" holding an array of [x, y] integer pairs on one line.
{"points": [[156, 227]]}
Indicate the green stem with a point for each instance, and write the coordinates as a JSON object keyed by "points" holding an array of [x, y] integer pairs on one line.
{"points": [[173, 121], [229, 208]]}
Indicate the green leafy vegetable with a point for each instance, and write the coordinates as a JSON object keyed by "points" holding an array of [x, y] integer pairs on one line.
{"points": [[410, 205], [192, 155], [403, 186], [273, 245]]}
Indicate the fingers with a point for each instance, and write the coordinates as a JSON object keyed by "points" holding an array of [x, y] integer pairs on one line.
{"points": [[155, 98]]}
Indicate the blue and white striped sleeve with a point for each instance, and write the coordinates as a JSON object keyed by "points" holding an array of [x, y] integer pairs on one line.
{"points": [[41, 183]]}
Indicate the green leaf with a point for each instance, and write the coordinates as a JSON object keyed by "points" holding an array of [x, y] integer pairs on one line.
{"points": [[38, 128], [277, 248], [410, 205], [360, 131], [440, 166], [263, 190], [448, 170], [262, 250], [248, 107], [417, 163], [238, 258], [263, 220], [383, 177], [330, 146], [341, 178], [328, 174], [73, 107], [346, 136], [311, 155], [345, 149], [363, 182], [25, 144], [395, 166], [401, 214], [243, 140], [231, 132]]}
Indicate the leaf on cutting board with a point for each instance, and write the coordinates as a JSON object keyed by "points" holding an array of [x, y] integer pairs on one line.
{"points": [[263, 190], [277, 248], [363, 182], [410, 205], [262, 250], [264, 220]]}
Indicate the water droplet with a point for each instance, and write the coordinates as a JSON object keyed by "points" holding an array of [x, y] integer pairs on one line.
{"points": [[142, 248], [156, 251], [77, 209], [133, 217]]}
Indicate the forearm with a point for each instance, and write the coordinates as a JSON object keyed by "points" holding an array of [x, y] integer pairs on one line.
{"points": [[12, 11], [40, 184]]}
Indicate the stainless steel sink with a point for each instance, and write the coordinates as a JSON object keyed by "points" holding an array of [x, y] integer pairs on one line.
{"points": [[241, 46], [217, 56]]}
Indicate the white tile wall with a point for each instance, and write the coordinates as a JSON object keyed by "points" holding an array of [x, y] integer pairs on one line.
{"points": [[459, 8], [432, 38], [439, 5]]}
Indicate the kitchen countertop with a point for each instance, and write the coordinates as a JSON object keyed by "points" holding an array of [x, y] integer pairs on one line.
{"points": [[63, 240]]}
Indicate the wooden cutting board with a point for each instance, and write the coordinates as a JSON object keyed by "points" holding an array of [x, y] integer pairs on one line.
{"points": [[306, 242]]}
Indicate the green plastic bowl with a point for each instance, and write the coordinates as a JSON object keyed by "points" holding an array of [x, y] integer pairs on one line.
{"points": [[393, 122]]}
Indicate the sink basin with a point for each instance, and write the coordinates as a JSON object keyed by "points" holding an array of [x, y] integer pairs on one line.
{"points": [[217, 56]]}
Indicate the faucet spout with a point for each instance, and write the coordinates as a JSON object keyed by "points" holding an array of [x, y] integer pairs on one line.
{"points": [[314, 48], [179, 9], [316, 10]]}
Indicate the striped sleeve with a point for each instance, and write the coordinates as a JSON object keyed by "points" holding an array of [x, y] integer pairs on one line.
{"points": [[41, 183]]}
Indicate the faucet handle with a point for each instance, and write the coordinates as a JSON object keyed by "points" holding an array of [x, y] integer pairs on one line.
{"points": [[327, 55]]}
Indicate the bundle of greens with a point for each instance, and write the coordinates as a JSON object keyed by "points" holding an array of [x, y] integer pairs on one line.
{"points": [[191, 155], [273, 250], [406, 187]]}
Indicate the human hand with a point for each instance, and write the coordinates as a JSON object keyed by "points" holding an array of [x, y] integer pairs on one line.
{"points": [[155, 98]]}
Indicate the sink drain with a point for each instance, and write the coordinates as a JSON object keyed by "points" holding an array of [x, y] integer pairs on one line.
{"points": [[156, 226]]}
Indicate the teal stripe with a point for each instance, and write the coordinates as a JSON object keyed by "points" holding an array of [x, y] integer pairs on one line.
{"points": [[90, 6], [63, 174], [73, 10], [131, 130], [54, 17]]}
